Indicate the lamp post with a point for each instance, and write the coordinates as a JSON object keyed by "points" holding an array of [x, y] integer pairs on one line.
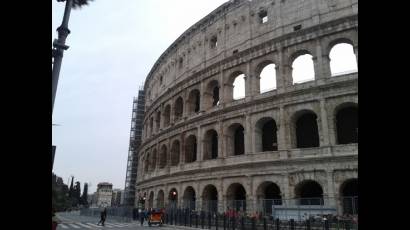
{"points": [[59, 46]]}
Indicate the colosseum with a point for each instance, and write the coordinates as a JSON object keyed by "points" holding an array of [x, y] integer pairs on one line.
{"points": [[282, 143]]}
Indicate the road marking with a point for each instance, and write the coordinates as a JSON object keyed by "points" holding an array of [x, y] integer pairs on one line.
{"points": [[63, 226], [116, 225], [84, 225], [73, 225], [94, 225], [110, 225]]}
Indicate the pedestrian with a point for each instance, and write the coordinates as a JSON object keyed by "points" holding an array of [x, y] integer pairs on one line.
{"points": [[142, 217], [103, 216]]}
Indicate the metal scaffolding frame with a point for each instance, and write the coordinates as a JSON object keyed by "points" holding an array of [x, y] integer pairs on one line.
{"points": [[135, 141]]}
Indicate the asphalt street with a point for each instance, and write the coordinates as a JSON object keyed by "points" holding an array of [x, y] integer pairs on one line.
{"points": [[73, 220]]}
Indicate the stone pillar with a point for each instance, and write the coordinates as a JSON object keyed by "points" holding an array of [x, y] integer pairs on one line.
{"points": [[324, 125], [221, 89], [285, 188], [248, 134], [199, 141], [248, 82], [321, 63], [180, 194], [172, 113], [331, 199], [221, 141], [283, 141], [202, 98], [356, 52], [182, 149], [284, 72]]}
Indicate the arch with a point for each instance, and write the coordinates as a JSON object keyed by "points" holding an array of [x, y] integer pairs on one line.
{"points": [[342, 59], [268, 194], [146, 163], [189, 198], [306, 129], [302, 67], [210, 145], [160, 199], [266, 135], [178, 108], [173, 198], [175, 151], [151, 125], [346, 120], [267, 77], [211, 94], [349, 194], [167, 115], [163, 159], [210, 198], [309, 192], [158, 121], [193, 102], [153, 161], [235, 140], [151, 200], [236, 197], [235, 86], [190, 149]]}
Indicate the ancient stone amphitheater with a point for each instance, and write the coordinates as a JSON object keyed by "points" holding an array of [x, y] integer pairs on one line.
{"points": [[293, 144]]}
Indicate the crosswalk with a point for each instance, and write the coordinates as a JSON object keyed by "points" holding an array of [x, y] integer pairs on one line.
{"points": [[93, 225]]}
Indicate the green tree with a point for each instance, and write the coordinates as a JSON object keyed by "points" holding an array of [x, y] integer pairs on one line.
{"points": [[84, 197]]}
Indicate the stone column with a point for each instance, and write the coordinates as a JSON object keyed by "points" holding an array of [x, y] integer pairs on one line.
{"points": [[199, 141], [221, 89], [182, 149], [283, 142], [248, 82], [331, 199], [284, 72], [321, 63], [285, 188], [324, 124], [248, 134], [221, 141]]}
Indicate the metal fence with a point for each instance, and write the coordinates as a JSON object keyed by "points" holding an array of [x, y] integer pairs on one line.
{"points": [[232, 221], [125, 214]]}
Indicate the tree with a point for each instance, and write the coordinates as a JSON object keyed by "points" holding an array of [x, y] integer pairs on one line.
{"points": [[71, 191], [84, 197], [76, 194]]}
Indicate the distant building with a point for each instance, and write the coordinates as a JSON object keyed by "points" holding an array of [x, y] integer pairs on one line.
{"points": [[104, 194], [116, 197]]}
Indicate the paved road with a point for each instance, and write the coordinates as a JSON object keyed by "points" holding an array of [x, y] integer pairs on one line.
{"points": [[74, 221]]}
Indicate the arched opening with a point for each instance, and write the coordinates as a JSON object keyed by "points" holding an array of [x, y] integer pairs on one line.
{"points": [[347, 125], [173, 198], [163, 157], [342, 59], [189, 198], [307, 133], [151, 200], [236, 197], [211, 95], [235, 140], [303, 69], [309, 192], [167, 115], [153, 159], [239, 87], [160, 199], [158, 121], [175, 149], [266, 135], [193, 101], [268, 194], [211, 145], [210, 199], [350, 194], [268, 78], [178, 108], [190, 149]]}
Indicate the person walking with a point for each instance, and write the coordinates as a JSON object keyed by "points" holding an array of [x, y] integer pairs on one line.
{"points": [[103, 216], [142, 217]]}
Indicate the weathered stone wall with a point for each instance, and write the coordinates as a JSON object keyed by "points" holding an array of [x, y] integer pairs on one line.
{"points": [[193, 63]]}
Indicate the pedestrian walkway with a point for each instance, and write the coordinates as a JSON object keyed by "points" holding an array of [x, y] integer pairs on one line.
{"points": [[89, 225]]}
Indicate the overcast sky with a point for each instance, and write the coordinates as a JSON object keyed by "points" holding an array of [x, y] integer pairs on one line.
{"points": [[113, 45]]}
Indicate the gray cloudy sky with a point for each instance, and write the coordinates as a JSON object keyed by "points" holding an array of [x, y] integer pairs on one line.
{"points": [[113, 45]]}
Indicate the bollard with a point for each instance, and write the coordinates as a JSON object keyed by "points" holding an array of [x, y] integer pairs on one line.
{"points": [[326, 225], [308, 224], [209, 220], [292, 224], [216, 221], [277, 223], [242, 223], [224, 221], [264, 223]]}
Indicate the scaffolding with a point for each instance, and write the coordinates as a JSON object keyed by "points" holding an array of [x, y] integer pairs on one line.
{"points": [[135, 141]]}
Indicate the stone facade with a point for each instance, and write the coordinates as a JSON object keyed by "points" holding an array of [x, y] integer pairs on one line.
{"points": [[242, 37], [104, 194]]}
